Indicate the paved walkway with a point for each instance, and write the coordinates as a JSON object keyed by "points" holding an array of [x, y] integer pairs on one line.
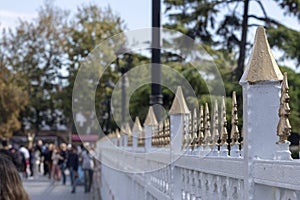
{"points": [[42, 188]]}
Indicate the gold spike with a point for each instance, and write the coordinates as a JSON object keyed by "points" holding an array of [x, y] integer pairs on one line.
{"points": [[150, 119], [195, 129], [118, 136], [284, 126], [224, 133], [161, 133], [216, 135], [207, 133], [137, 125], [201, 127], [129, 133], [167, 132], [234, 134], [122, 130], [179, 105], [262, 65]]}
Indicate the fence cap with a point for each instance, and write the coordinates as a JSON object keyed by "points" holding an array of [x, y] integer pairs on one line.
{"points": [[262, 65], [137, 125], [150, 119], [179, 105]]}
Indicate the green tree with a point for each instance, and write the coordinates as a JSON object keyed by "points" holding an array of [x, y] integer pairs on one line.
{"points": [[226, 24], [13, 99], [35, 50], [90, 26]]}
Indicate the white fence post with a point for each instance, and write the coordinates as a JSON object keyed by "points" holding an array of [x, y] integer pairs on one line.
{"points": [[178, 113], [261, 89]]}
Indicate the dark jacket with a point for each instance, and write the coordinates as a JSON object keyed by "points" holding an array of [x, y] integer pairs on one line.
{"points": [[73, 161]]}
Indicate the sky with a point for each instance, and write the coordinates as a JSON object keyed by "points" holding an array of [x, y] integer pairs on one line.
{"points": [[135, 13]]}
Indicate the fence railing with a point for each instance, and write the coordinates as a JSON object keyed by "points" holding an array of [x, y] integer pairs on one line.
{"points": [[191, 156]]}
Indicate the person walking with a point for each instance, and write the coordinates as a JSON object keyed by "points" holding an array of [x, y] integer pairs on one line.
{"points": [[88, 168], [26, 159], [48, 160], [72, 163], [56, 174], [63, 161]]}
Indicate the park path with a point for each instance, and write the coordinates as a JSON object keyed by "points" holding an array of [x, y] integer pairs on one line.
{"points": [[42, 188]]}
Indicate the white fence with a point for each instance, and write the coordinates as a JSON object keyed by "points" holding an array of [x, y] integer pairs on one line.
{"points": [[191, 156]]}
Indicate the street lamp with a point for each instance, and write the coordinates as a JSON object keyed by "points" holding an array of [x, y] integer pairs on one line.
{"points": [[156, 97]]}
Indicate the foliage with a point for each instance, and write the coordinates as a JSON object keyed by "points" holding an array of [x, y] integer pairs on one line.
{"points": [[225, 25], [12, 101], [46, 54]]}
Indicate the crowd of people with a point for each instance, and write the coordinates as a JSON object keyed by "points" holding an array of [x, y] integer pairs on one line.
{"points": [[57, 162]]}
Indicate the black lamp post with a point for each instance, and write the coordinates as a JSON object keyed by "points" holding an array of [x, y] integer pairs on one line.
{"points": [[156, 96], [109, 86]]}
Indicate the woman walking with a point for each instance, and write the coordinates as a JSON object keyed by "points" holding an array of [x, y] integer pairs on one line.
{"points": [[56, 174]]}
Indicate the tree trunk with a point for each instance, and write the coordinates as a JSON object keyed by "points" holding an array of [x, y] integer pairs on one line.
{"points": [[241, 62]]}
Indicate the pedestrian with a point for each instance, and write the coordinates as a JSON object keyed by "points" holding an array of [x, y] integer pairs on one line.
{"points": [[72, 163], [45, 150], [32, 160], [88, 167], [56, 174], [63, 161], [13, 154], [26, 157], [11, 187], [48, 160]]}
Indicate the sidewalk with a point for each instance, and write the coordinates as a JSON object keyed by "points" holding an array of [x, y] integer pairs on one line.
{"points": [[43, 188]]}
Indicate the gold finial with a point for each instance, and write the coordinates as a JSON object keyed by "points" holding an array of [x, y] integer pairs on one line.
{"points": [[123, 130], [201, 127], [150, 119], [141, 139], [129, 133], [179, 105], [262, 65], [224, 133], [160, 134], [118, 136], [234, 134], [137, 125], [216, 135], [284, 126], [195, 129], [207, 133], [167, 132]]}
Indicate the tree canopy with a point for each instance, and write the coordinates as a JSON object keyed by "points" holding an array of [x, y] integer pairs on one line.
{"points": [[226, 25]]}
